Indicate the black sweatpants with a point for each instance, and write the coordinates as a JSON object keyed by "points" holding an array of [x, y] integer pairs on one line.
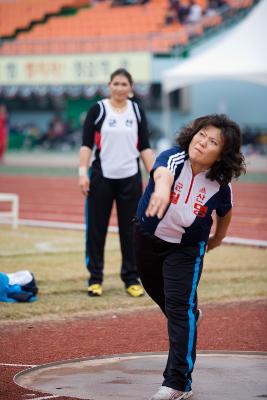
{"points": [[103, 191], [170, 274]]}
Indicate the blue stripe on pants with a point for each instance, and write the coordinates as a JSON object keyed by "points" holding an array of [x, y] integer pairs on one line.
{"points": [[87, 259], [191, 308]]}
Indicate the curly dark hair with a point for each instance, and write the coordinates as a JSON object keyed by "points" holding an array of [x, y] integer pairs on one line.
{"points": [[232, 163]]}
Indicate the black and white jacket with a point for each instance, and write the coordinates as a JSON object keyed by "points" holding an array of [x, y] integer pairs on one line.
{"points": [[117, 138]]}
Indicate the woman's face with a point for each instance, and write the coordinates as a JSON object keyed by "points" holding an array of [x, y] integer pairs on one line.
{"points": [[120, 88], [205, 148]]}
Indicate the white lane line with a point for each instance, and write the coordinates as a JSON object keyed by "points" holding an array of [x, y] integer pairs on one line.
{"points": [[114, 229], [31, 395], [17, 365], [58, 224], [54, 396], [45, 397]]}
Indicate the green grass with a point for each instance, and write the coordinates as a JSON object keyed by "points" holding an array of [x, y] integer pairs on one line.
{"points": [[257, 177], [56, 258], [37, 170]]}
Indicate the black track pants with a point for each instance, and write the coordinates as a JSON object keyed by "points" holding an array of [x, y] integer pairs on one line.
{"points": [[103, 191], [170, 274]]}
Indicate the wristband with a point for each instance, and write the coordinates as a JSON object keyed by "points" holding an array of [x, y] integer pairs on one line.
{"points": [[82, 171]]}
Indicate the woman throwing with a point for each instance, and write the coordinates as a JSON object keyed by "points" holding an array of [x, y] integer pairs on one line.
{"points": [[116, 127], [174, 218]]}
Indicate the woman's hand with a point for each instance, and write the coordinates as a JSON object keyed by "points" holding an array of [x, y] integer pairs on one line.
{"points": [[85, 157], [213, 242], [222, 224], [160, 198], [158, 204], [84, 183]]}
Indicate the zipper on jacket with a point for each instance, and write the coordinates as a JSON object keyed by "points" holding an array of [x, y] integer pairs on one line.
{"points": [[189, 190]]}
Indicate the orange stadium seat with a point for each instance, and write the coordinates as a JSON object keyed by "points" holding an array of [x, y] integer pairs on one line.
{"points": [[102, 28], [100, 21], [211, 20], [21, 13], [203, 3], [236, 4]]}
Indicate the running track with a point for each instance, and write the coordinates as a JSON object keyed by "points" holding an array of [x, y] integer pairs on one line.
{"points": [[59, 199], [232, 326], [238, 326]]}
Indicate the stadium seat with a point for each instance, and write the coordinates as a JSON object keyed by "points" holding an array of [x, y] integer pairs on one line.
{"points": [[102, 28], [21, 14]]}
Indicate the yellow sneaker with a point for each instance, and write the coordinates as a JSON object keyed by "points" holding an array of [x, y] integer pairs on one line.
{"points": [[95, 290], [135, 290]]}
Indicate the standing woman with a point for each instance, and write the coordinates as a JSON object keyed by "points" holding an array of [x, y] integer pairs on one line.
{"points": [[3, 131], [116, 128], [174, 218]]}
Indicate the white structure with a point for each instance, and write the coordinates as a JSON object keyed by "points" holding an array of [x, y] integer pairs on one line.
{"points": [[239, 55], [13, 214]]}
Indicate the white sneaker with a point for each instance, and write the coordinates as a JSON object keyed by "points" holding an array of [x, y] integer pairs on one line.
{"points": [[199, 317], [167, 393]]}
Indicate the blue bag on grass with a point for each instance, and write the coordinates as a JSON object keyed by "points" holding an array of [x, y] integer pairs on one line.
{"points": [[19, 286]]}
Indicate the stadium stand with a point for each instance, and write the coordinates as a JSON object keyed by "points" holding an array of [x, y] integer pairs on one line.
{"points": [[20, 15], [103, 28], [95, 29]]}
